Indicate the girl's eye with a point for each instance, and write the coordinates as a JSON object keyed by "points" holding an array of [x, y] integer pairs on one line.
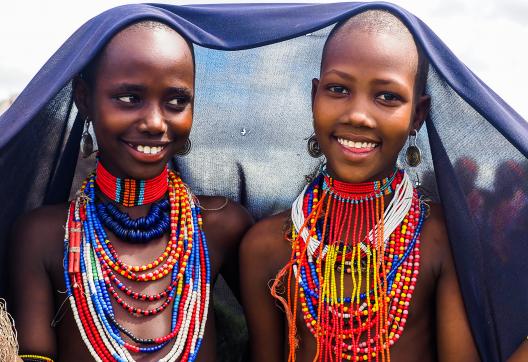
{"points": [[338, 89], [128, 98], [388, 97], [178, 101]]}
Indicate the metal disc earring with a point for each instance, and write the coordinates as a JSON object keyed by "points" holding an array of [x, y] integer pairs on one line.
{"points": [[314, 149], [186, 149], [87, 143], [413, 155]]}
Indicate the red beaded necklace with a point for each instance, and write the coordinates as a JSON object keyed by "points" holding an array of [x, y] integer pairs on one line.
{"points": [[130, 192], [340, 232], [92, 265]]}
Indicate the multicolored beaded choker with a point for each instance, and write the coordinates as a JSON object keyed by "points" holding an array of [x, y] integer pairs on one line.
{"points": [[360, 192], [93, 272], [354, 265], [130, 192]]}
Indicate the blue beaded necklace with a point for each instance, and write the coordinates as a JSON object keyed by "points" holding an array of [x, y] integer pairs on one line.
{"points": [[140, 230]]}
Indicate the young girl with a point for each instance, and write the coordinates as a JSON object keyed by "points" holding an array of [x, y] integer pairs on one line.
{"points": [[360, 267], [125, 270]]}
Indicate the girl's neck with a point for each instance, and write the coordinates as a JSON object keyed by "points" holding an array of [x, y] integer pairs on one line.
{"points": [[131, 193]]}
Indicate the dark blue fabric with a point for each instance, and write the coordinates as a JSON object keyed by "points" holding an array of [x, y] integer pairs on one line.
{"points": [[38, 153], [242, 26]]}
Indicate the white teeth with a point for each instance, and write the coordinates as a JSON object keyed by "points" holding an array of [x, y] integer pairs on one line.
{"points": [[353, 144], [149, 150]]}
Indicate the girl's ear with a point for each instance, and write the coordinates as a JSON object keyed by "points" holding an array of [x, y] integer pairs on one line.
{"points": [[81, 96], [421, 111]]}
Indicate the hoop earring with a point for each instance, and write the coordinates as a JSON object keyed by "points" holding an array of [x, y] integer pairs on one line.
{"points": [[186, 149], [314, 149], [413, 155], [86, 140]]}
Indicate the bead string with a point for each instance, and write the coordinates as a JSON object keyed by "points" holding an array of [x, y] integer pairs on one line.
{"points": [[130, 192], [141, 230], [34, 358], [331, 236], [361, 192], [91, 264]]}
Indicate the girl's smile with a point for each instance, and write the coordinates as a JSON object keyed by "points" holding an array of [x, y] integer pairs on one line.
{"points": [[364, 106], [140, 100]]}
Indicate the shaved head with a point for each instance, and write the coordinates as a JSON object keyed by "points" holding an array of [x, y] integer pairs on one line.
{"points": [[89, 72], [381, 22]]}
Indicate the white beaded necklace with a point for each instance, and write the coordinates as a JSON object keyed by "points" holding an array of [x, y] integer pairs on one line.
{"points": [[192, 303], [393, 216]]}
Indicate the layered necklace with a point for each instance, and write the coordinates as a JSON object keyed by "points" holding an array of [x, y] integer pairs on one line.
{"points": [[354, 265], [94, 272]]}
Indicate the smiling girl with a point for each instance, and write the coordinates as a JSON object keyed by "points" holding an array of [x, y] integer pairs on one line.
{"points": [[136, 254], [360, 268]]}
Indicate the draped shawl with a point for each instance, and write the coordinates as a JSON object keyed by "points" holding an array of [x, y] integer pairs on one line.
{"points": [[252, 119]]}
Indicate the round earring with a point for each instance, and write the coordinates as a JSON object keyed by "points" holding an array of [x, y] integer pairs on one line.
{"points": [[314, 149], [413, 155], [186, 149], [86, 140]]}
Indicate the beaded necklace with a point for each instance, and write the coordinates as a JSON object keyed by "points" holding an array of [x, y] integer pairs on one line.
{"points": [[341, 232], [130, 192], [141, 230], [92, 269]]}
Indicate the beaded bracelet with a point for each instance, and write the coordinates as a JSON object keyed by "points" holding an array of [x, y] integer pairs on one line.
{"points": [[34, 358]]}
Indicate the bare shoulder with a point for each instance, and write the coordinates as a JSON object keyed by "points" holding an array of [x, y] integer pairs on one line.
{"points": [[264, 252], [41, 231], [35, 262], [43, 217], [225, 219], [266, 242], [435, 220], [434, 239]]}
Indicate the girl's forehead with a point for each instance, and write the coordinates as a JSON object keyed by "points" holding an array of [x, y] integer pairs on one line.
{"points": [[164, 42], [146, 47], [395, 52]]}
